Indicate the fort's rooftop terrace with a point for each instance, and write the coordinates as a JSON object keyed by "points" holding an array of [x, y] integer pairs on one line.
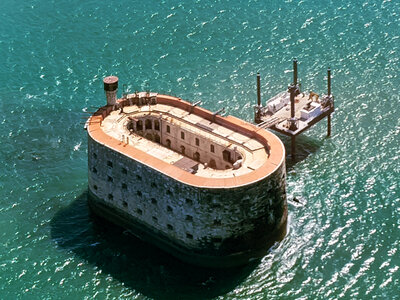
{"points": [[187, 142]]}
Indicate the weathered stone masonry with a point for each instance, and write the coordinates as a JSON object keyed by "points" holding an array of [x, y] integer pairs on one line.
{"points": [[218, 221], [208, 189]]}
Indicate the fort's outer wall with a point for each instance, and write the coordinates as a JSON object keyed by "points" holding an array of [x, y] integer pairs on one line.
{"points": [[220, 226]]}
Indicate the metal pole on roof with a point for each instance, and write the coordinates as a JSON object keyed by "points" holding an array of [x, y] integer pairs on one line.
{"points": [[329, 96], [258, 90], [329, 81], [293, 89]]}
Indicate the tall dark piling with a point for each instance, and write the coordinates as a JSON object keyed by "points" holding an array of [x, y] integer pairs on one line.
{"points": [[258, 90], [329, 96], [257, 115]]}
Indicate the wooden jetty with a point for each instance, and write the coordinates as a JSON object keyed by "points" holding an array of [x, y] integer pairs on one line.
{"points": [[292, 112]]}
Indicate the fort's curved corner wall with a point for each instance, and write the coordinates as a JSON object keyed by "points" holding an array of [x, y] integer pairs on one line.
{"points": [[207, 226]]}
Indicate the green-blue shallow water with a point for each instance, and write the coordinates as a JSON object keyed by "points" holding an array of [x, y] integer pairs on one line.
{"points": [[343, 239]]}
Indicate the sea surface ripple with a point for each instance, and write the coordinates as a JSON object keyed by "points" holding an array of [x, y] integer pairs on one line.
{"points": [[343, 235]]}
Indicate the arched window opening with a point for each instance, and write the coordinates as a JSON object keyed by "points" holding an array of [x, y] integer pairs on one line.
{"points": [[157, 125], [157, 138], [196, 156], [139, 125], [212, 164], [148, 124], [149, 136], [168, 143], [183, 150]]}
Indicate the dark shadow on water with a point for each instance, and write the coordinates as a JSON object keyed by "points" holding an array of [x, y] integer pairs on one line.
{"points": [[137, 264], [305, 146]]}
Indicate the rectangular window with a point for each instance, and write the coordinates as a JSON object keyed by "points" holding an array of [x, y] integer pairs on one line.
{"points": [[182, 135], [197, 142], [168, 129], [109, 163], [212, 149]]}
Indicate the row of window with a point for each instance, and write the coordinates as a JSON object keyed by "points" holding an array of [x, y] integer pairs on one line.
{"points": [[139, 178], [196, 155], [148, 124], [169, 209], [124, 186], [226, 155], [110, 165], [154, 201], [155, 220], [197, 140]]}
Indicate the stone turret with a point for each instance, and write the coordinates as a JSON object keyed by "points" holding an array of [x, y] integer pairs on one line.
{"points": [[111, 88]]}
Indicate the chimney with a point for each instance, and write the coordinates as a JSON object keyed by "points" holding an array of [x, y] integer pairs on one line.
{"points": [[111, 88]]}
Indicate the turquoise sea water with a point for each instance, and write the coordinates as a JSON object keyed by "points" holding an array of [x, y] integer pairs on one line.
{"points": [[343, 237]]}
